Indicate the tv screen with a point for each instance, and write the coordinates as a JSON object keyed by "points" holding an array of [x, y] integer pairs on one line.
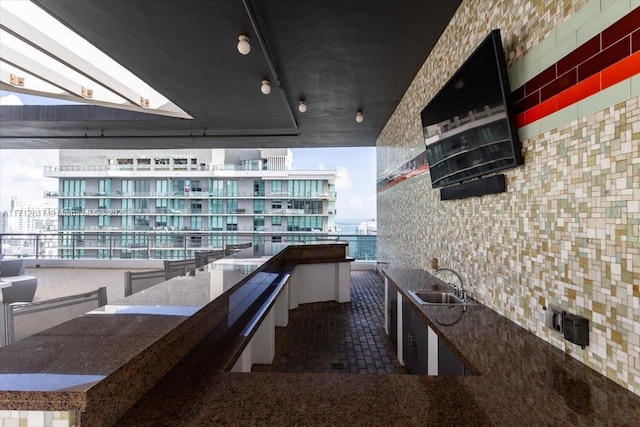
{"points": [[469, 126]]}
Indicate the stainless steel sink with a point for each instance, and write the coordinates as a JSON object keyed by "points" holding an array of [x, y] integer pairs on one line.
{"points": [[439, 298]]}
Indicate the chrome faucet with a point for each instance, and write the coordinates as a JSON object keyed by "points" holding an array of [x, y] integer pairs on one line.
{"points": [[459, 291]]}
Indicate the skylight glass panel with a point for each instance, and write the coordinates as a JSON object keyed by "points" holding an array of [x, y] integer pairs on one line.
{"points": [[70, 58]]}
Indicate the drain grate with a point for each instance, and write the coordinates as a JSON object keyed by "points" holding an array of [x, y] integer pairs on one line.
{"points": [[337, 366]]}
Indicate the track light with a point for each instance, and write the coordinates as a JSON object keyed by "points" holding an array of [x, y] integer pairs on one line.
{"points": [[359, 117], [266, 87], [244, 47], [302, 106]]}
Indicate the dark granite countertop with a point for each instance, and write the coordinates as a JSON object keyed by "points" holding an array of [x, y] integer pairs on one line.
{"points": [[520, 380], [99, 364]]}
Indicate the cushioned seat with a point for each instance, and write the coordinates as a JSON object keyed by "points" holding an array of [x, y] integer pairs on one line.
{"points": [[22, 289], [11, 267]]}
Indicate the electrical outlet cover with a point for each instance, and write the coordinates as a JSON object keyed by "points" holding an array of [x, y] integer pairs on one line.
{"points": [[554, 318]]}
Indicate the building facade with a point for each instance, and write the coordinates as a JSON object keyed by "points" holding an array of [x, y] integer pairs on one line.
{"points": [[170, 203]]}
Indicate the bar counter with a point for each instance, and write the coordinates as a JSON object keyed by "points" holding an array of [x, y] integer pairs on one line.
{"points": [[98, 365]]}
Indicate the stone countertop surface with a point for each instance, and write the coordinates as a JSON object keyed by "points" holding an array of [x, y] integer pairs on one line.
{"points": [[90, 361], [519, 380]]}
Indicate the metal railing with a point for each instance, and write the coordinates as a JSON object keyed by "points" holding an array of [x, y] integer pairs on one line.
{"points": [[143, 244]]}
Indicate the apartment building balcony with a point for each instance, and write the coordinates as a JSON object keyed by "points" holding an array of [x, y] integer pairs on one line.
{"points": [[330, 196]]}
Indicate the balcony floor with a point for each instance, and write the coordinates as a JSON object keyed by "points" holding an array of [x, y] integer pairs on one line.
{"points": [[331, 337]]}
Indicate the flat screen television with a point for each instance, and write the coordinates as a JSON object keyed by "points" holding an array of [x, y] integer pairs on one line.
{"points": [[469, 126]]}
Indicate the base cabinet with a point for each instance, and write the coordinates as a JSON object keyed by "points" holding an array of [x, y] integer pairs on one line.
{"points": [[448, 363], [423, 351], [415, 340], [392, 312]]}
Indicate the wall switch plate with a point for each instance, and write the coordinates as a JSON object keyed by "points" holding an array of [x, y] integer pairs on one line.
{"points": [[554, 318]]}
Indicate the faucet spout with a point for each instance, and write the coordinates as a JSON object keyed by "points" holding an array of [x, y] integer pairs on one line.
{"points": [[458, 289]]}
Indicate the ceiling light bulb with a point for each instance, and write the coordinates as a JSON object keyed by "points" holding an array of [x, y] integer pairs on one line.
{"points": [[266, 87], [359, 117], [244, 47], [302, 106]]}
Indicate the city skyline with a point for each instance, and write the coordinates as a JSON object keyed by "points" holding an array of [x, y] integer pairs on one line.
{"points": [[21, 171]]}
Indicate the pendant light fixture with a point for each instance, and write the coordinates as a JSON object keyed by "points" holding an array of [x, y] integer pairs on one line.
{"points": [[244, 47], [266, 87]]}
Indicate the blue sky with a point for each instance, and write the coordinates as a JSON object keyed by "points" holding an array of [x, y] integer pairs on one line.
{"points": [[21, 172]]}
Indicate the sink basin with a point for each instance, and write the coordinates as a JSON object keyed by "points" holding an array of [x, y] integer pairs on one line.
{"points": [[439, 298]]}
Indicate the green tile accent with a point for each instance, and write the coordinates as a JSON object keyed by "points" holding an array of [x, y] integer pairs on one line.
{"points": [[635, 84], [546, 45], [581, 17], [529, 131], [562, 49], [559, 118], [604, 99], [517, 74], [613, 11]]}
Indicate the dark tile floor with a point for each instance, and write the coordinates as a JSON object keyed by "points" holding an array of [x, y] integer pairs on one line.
{"points": [[338, 337]]}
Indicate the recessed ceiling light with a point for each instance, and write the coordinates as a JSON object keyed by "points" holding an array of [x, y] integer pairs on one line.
{"points": [[359, 117], [302, 106], [244, 47], [266, 87]]}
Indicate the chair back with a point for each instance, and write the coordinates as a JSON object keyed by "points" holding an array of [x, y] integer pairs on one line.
{"points": [[206, 257], [237, 246], [141, 280], [20, 320], [189, 265]]}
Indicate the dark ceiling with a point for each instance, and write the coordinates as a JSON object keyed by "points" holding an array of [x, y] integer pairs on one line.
{"points": [[341, 56]]}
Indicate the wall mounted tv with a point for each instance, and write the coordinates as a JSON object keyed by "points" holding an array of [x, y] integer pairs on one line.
{"points": [[469, 126]]}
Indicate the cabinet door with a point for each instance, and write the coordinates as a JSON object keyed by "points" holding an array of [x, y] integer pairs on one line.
{"points": [[421, 334], [448, 363], [409, 349], [392, 309]]}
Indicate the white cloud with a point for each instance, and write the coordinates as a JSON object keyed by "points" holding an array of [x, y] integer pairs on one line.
{"points": [[11, 99], [22, 175], [343, 181]]}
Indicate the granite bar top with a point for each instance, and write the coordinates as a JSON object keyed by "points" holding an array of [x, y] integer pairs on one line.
{"points": [[519, 380], [99, 364]]}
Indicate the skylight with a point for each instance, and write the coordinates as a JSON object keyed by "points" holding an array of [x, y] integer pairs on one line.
{"points": [[41, 56]]}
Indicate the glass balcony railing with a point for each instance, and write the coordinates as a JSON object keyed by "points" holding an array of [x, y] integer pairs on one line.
{"points": [[87, 244], [202, 193]]}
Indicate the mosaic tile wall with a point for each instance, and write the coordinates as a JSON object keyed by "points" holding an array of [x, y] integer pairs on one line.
{"points": [[567, 231]]}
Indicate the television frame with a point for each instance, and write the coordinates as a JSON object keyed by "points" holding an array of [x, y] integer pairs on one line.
{"points": [[510, 137]]}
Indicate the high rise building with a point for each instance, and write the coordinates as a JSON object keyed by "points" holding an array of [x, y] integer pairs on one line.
{"points": [[170, 203]]}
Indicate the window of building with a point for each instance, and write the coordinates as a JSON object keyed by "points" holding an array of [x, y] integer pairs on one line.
{"points": [[276, 206], [258, 206], [163, 161], [276, 220], [195, 223], [258, 223], [276, 239], [217, 188], [124, 161], [216, 206], [144, 161], [232, 223], [232, 206], [216, 223], [196, 206], [276, 188], [232, 188], [304, 223], [258, 187], [194, 161], [179, 161]]}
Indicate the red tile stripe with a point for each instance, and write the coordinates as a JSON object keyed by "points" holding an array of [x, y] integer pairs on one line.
{"points": [[608, 58]]}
